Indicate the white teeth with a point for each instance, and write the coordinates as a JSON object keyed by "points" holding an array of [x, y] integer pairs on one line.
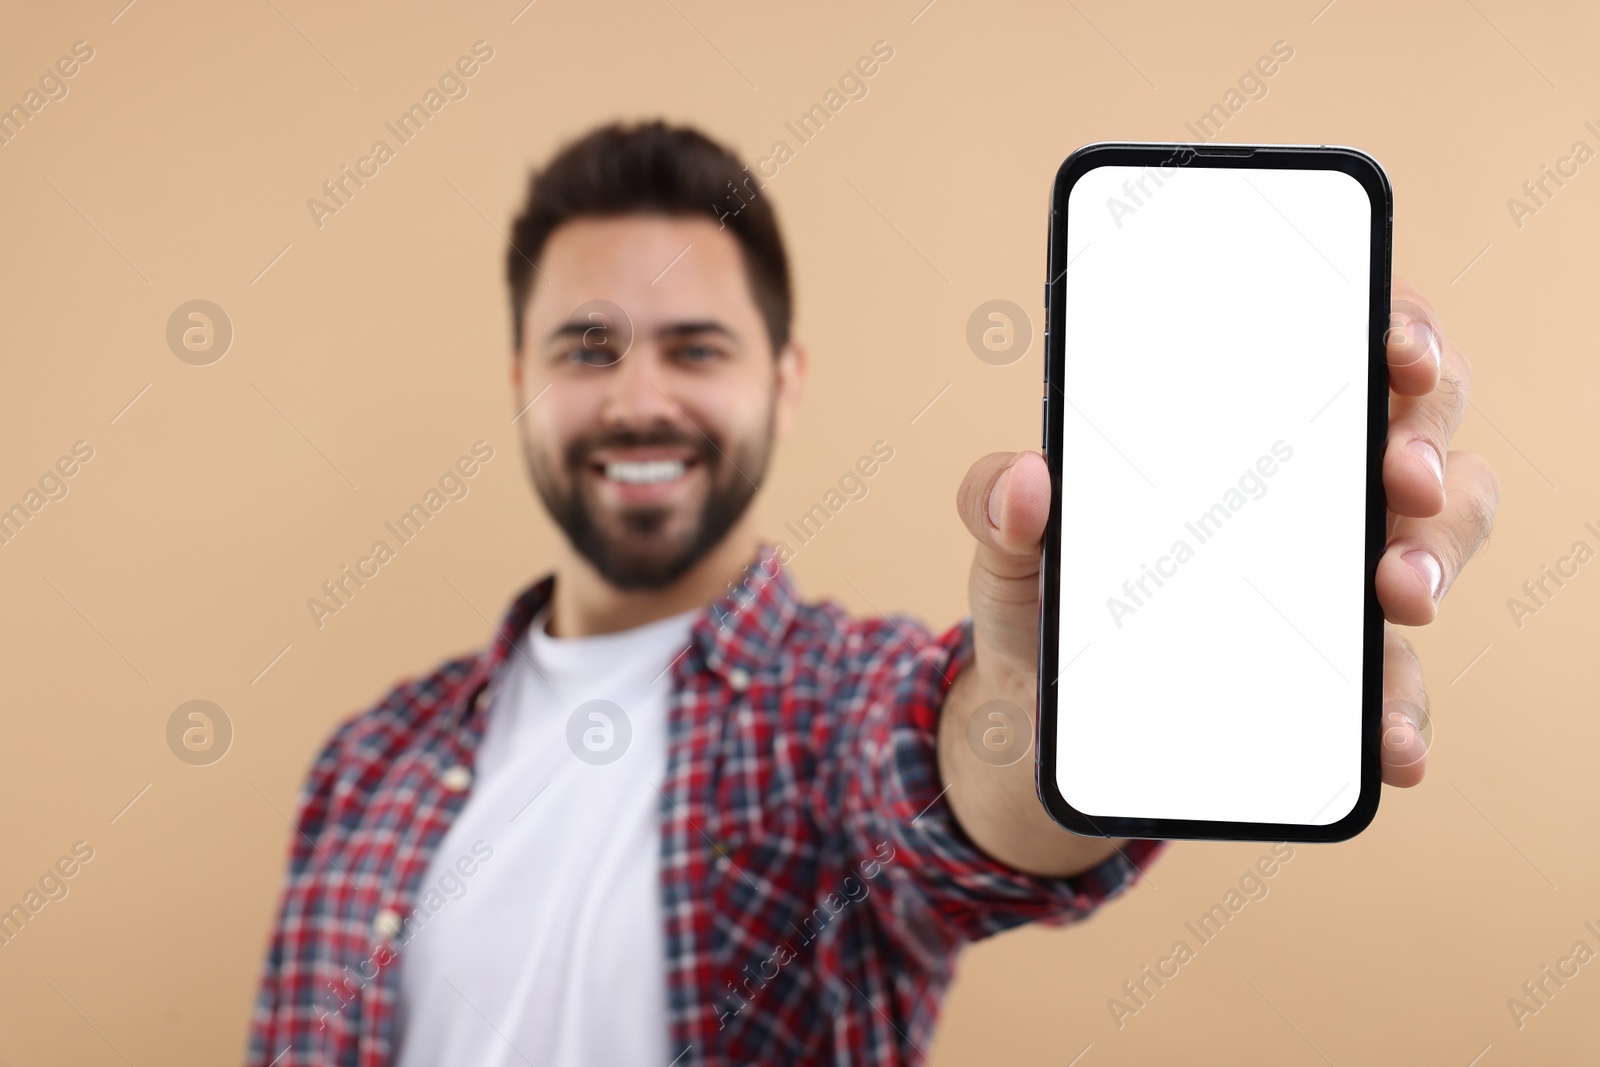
{"points": [[647, 473]]}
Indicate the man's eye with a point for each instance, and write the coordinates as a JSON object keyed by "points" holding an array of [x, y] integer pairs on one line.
{"points": [[698, 353], [590, 357]]}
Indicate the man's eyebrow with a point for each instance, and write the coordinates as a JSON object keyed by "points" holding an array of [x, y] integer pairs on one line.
{"points": [[573, 328], [578, 327], [694, 326]]}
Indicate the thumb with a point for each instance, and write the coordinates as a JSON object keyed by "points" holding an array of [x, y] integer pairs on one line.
{"points": [[1005, 502]]}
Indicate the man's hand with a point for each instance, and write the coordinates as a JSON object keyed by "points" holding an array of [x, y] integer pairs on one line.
{"points": [[1441, 508]]}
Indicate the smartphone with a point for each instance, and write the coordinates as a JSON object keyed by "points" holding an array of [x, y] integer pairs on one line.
{"points": [[1215, 413]]}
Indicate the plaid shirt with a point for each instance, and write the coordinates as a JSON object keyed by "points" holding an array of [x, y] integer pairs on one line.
{"points": [[816, 887]]}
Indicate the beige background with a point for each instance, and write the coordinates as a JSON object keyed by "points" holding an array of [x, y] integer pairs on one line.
{"points": [[373, 352]]}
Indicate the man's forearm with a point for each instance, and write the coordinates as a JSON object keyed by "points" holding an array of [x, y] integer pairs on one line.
{"points": [[998, 807]]}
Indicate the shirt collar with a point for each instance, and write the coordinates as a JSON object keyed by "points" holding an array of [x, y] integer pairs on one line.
{"points": [[736, 635]]}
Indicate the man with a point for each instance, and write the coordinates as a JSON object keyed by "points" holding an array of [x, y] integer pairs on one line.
{"points": [[673, 814]]}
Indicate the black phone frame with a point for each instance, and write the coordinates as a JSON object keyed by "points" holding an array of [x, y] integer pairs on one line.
{"points": [[1370, 175]]}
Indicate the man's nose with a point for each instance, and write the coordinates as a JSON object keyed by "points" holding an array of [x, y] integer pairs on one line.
{"points": [[636, 394]]}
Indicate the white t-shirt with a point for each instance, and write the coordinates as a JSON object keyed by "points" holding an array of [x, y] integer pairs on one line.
{"points": [[551, 950]]}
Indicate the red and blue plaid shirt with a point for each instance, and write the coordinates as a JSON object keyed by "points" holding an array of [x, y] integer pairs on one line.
{"points": [[816, 887]]}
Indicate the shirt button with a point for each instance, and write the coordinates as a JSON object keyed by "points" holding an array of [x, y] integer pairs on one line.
{"points": [[386, 923], [456, 778], [739, 678], [482, 699]]}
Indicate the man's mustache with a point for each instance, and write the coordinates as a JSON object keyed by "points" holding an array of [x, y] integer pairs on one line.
{"points": [[578, 453]]}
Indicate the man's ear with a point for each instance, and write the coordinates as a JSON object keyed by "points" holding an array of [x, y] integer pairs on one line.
{"points": [[789, 387]]}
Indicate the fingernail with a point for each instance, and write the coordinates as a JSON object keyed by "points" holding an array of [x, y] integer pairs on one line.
{"points": [[1423, 340], [1406, 728], [994, 497], [1430, 455], [1427, 566], [1420, 342]]}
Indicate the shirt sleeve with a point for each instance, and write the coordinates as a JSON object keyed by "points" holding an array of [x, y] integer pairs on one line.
{"points": [[284, 1012], [937, 890]]}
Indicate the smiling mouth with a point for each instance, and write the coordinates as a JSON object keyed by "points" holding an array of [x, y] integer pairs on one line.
{"points": [[645, 472]]}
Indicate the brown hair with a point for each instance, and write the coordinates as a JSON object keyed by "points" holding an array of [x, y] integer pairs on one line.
{"points": [[651, 168]]}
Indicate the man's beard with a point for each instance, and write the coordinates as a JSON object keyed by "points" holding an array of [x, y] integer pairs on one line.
{"points": [[644, 559]]}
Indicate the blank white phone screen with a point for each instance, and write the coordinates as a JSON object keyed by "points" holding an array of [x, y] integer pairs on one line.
{"points": [[1213, 494]]}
